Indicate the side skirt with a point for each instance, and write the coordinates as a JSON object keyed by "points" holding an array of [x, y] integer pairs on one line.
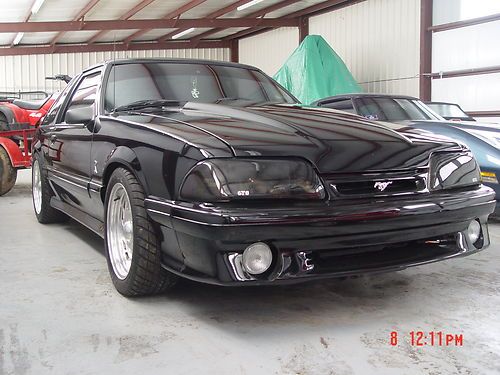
{"points": [[90, 222]]}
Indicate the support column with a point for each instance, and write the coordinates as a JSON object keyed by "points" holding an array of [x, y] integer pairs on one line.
{"points": [[425, 81], [303, 28], [235, 50]]}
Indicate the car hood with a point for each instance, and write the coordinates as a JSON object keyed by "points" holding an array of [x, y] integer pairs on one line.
{"points": [[334, 141], [466, 125], [487, 133]]}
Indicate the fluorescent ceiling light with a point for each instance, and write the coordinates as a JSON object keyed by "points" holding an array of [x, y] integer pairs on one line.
{"points": [[18, 38], [248, 5], [182, 33], [36, 6]]}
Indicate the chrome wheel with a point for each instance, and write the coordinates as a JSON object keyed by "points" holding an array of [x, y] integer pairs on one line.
{"points": [[37, 187], [120, 231]]}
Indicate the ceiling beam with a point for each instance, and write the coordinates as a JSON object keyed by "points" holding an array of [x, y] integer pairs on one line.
{"points": [[171, 15], [220, 12], [26, 19], [87, 8], [110, 47], [247, 33], [33, 27], [131, 12], [320, 8], [259, 13]]}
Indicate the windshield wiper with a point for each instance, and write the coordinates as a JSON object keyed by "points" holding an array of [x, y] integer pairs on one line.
{"points": [[153, 103], [230, 100]]}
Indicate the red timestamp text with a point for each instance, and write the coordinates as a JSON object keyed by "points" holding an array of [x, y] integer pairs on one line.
{"points": [[431, 338]]}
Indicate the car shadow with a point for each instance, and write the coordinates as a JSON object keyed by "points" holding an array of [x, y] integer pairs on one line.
{"points": [[239, 310], [233, 309], [86, 235]]}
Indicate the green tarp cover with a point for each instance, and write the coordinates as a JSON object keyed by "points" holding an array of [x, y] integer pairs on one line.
{"points": [[314, 71]]}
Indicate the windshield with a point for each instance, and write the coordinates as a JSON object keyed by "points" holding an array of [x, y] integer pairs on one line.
{"points": [[448, 110], [393, 109], [188, 82]]}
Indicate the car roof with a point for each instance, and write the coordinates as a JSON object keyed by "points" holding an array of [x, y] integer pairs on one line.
{"points": [[442, 103], [366, 95], [170, 60]]}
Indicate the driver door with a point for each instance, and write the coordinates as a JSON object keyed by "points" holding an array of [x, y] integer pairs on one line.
{"points": [[70, 146]]}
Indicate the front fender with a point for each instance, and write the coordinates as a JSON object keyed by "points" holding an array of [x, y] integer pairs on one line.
{"points": [[15, 154], [123, 156], [8, 113]]}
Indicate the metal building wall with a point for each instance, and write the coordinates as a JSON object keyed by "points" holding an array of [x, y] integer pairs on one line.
{"points": [[268, 51], [378, 40], [27, 73]]}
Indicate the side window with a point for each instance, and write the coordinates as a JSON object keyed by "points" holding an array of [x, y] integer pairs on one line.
{"points": [[85, 93], [52, 114], [341, 105]]}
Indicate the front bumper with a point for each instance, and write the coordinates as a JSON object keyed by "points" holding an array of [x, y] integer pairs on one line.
{"points": [[496, 188], [321, 239]]}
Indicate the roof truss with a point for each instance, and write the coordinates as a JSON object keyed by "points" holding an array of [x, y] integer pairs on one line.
{"points": [[253, 23]]}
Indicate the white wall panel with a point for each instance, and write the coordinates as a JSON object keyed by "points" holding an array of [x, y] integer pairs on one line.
{"points": [[269, 51], [473, 93], [445, 11], [27, 73], [467, 47], [378, 40]]}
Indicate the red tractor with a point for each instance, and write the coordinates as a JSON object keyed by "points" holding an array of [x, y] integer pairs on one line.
{"points": [[18, 121]]}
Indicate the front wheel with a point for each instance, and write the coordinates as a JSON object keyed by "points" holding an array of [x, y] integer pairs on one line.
{"points": [[132, 245], [8, 174]]}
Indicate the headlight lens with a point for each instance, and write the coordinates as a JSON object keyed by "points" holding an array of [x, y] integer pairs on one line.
{"points": [[452, 170], [217, 180], [489, 177]]}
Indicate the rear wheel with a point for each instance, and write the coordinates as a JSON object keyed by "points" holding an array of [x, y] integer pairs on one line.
{"points": [[132, 245], [8, 174], [42, 194]]}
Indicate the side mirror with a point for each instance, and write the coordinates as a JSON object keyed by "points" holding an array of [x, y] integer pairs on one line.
{"points": [[80, 115]]}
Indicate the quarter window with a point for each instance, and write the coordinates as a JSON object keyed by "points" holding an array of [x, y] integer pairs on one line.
{"points": [[341, 105], [85, 93]]}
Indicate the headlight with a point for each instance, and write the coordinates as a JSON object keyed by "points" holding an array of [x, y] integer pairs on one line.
{"points": [[452, 170], [489, 177], [216, 180]]}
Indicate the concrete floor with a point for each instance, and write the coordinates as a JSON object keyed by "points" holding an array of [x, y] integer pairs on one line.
{"points": [[59, 314]]}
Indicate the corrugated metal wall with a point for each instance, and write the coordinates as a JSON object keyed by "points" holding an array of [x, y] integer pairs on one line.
{"points": [[270, 50], [378, 40], [27, 73]]}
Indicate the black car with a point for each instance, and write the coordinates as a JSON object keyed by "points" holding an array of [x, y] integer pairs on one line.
{"points": [[449, 111], [212, 171]]}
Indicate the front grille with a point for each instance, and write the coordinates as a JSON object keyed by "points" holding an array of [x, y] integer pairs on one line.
{"points": [[376, 184]]}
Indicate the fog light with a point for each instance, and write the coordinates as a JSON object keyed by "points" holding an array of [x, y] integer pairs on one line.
{"points": [[257, 258], [474, 231]]}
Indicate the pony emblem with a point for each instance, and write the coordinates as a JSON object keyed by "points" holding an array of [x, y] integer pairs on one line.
{"points": [[382, 185]]}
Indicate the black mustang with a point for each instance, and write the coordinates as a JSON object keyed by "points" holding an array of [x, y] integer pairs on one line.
{"points": [[212, 171]]}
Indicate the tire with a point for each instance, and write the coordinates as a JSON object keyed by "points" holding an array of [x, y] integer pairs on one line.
{"points": [[8, 174], [41, 195], [4, 124], [132, 245]]}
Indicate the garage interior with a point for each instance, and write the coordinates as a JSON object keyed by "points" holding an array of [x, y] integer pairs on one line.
{"points": [[60, 313]]}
